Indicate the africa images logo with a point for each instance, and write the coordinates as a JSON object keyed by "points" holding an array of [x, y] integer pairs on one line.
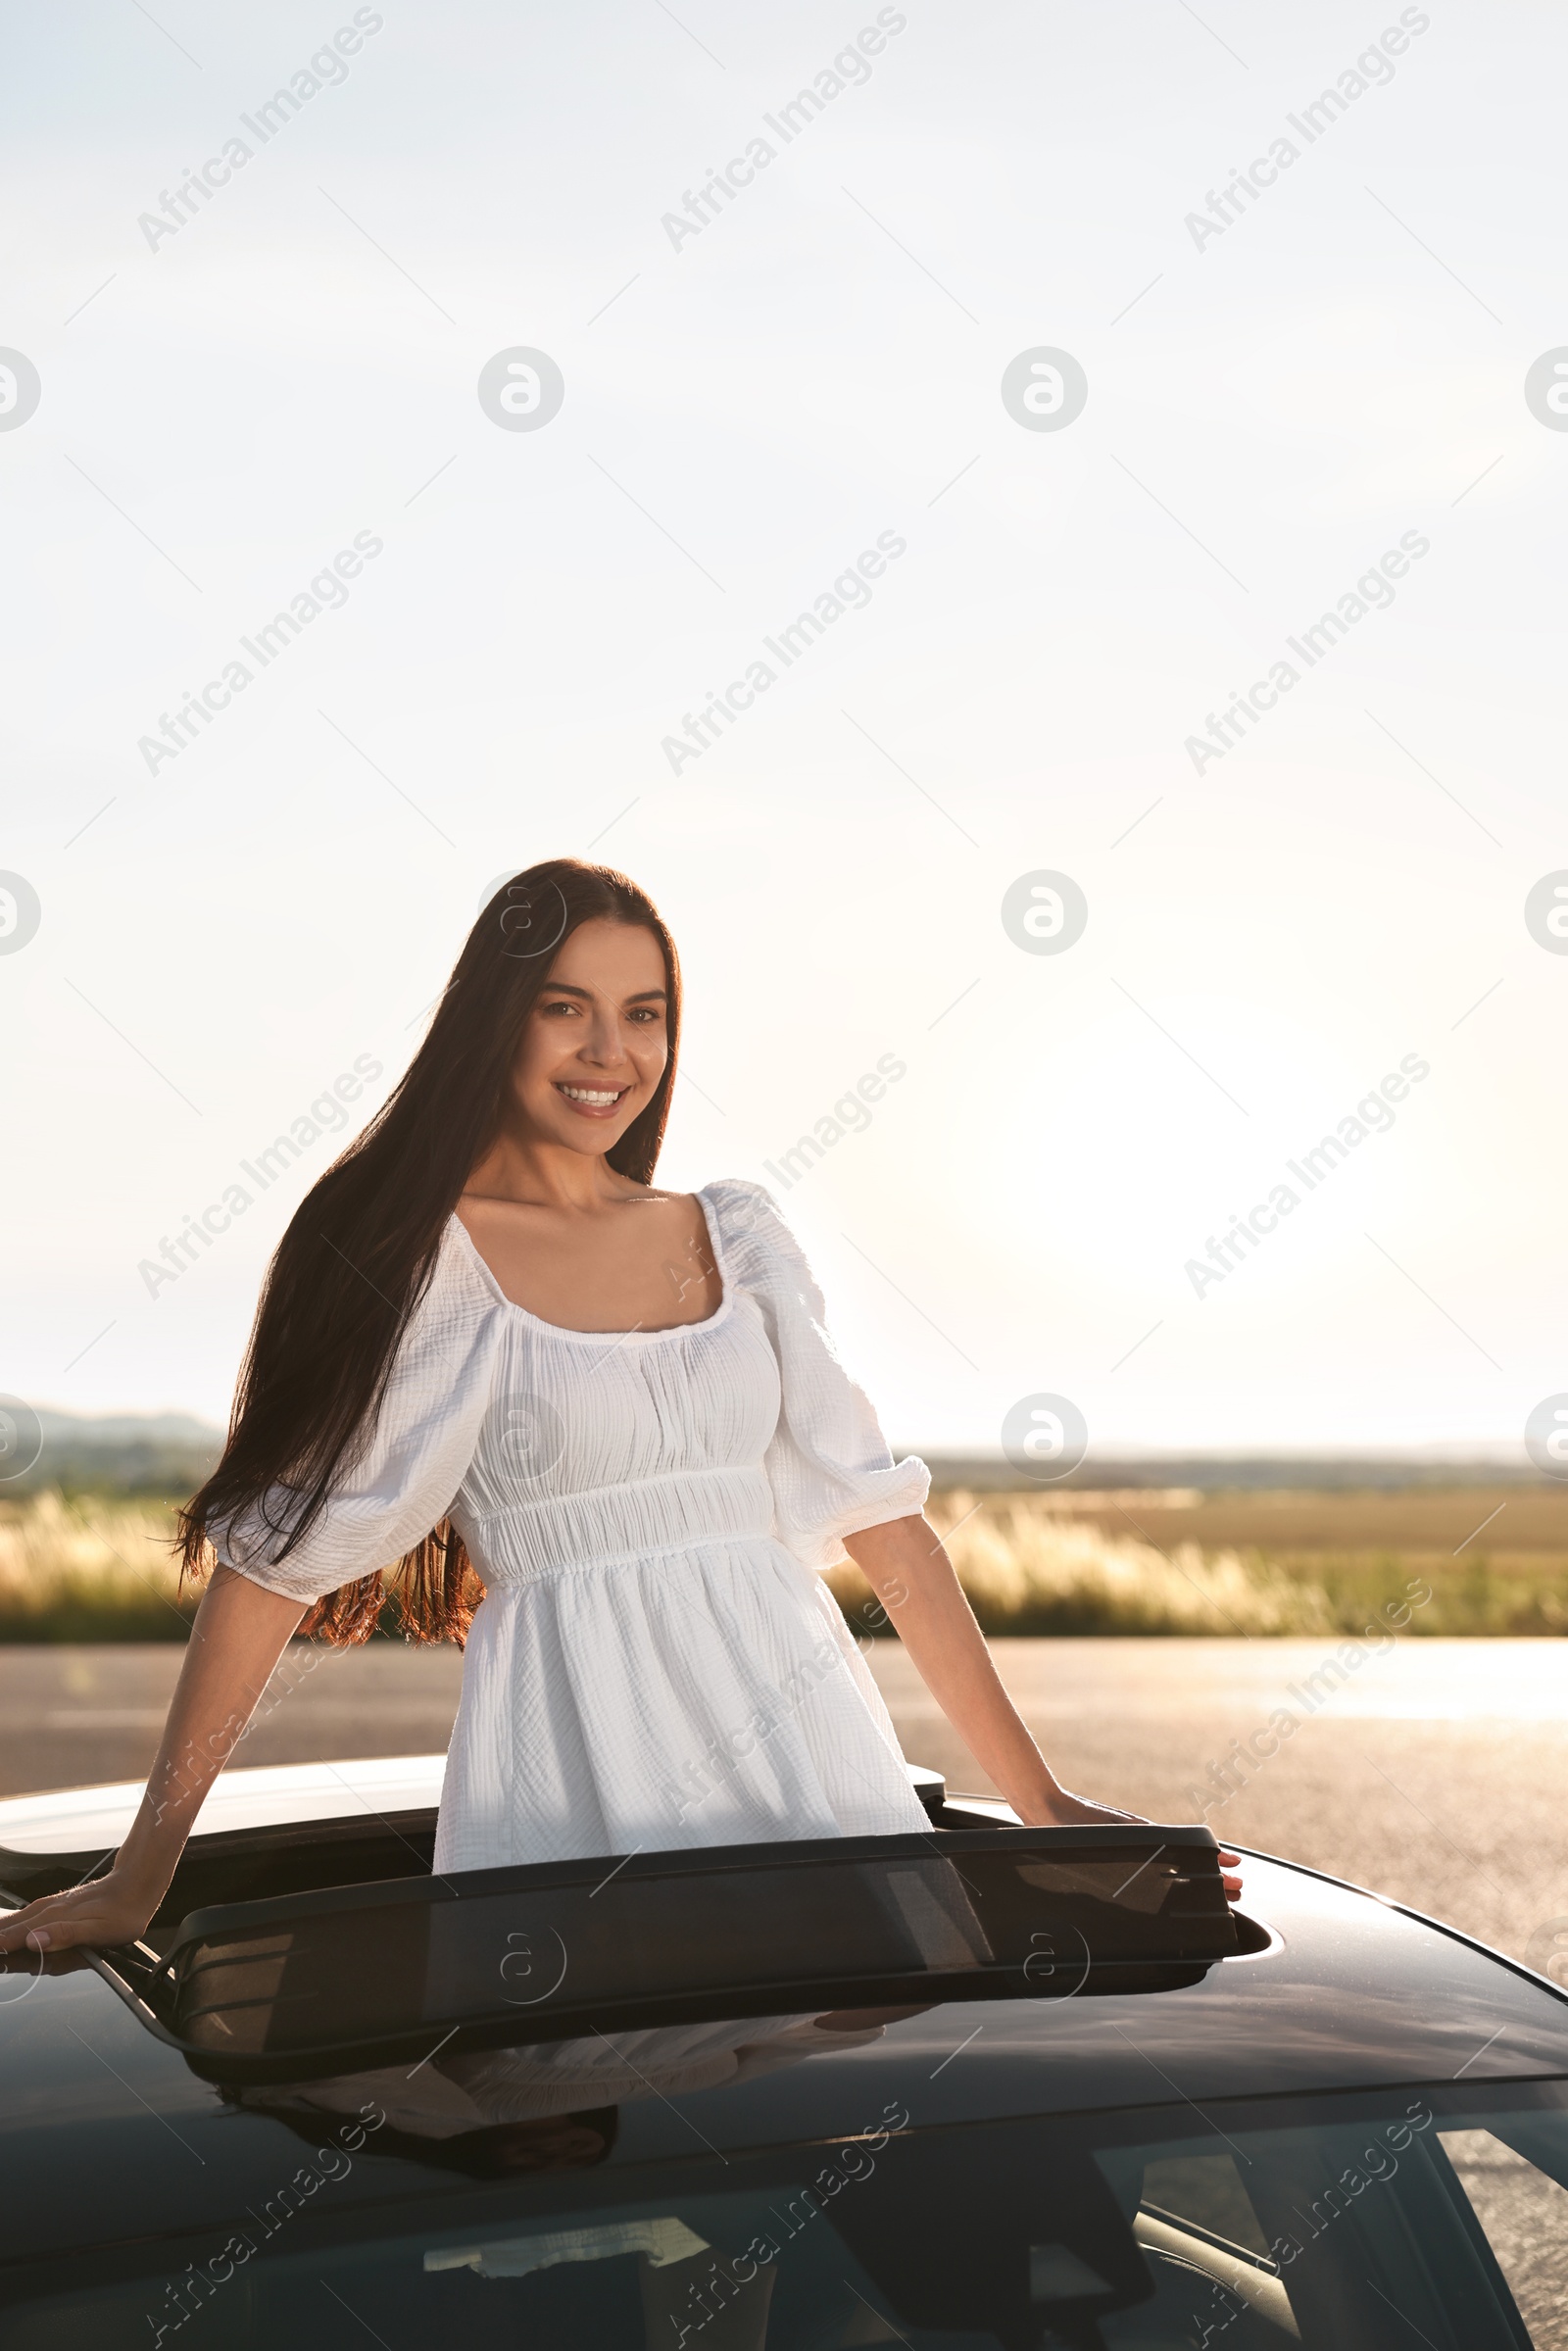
{"points": [[1545, 389], [19, 389], [20, 913], [520, 388]]}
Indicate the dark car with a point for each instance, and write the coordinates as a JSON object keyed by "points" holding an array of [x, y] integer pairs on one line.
{"points": [[988, 2086]]}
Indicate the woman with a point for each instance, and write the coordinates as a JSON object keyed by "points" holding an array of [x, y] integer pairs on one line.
{"points": [[489, 1352]]}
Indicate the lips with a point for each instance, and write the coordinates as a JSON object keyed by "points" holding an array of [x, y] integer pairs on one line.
{"points": [[592, 1102]]}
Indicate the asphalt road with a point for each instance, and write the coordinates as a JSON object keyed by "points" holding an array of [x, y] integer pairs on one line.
{"points": [[1435, 1774]]}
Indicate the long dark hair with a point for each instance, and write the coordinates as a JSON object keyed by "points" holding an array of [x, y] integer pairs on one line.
{"points": [[360, 1247]]}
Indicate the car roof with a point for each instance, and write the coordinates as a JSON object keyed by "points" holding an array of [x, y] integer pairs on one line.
{"points": [[74, 1818], [1349, 1991], [268, 1795]]}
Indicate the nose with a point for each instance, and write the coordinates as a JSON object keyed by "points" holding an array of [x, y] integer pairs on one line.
{"points": [[604, 1046]]}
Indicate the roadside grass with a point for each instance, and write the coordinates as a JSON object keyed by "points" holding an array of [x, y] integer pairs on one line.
{"points": [[1030, 1569], [1256, 1565], [89, 1567], [1495, 1557], [95, 1567]]}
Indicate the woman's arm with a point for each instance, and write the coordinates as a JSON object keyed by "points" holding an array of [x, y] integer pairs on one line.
{"points": [[912, 1577], [237, 1639]]}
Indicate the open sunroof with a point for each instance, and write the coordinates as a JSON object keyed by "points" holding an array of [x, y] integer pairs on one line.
{"points": [[356, 1975]]}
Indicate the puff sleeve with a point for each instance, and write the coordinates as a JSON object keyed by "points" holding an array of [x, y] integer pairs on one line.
{"points": [[407, 1474], [829, 1464]]}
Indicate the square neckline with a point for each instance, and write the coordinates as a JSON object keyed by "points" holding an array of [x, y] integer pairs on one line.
{"points": [[562, 1330]]}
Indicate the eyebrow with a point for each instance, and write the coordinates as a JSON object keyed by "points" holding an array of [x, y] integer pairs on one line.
{"points": [[643, 995]]}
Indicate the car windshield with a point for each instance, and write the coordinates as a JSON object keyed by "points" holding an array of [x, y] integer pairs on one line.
{"points": [[1353, 2223]]}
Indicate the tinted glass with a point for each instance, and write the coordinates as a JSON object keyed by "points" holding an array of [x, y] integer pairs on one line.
{"points": [[384, 1968], [1343, 2224]]}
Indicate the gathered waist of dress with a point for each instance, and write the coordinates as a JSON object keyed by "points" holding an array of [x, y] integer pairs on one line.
{"points": [[519, 1541]]}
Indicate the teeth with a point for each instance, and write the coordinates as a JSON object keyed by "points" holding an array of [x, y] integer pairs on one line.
{"points": [[589, 1093]]}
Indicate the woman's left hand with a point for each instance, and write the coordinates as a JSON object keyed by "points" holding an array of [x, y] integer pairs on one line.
{"points": [[912, 1577], [1062, 1810]]}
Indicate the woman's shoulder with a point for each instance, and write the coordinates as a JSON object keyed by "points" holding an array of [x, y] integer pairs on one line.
{"points": [[461, 1283], [752, 1227], [730, 1190], [743, 1205]]}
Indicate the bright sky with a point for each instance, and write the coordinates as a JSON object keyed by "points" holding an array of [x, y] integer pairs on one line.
{"points": [[1313, 374]]}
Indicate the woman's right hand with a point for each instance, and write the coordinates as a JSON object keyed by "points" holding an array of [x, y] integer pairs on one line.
{"points": [[105, 1911], [235, 1641]]}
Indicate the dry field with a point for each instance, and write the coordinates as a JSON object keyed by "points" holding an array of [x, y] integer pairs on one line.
{"points": [[1494, 1561], [92, 1567]]}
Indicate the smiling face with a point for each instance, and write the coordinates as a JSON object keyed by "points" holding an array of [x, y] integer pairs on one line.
{"points": [[595, 1043]]}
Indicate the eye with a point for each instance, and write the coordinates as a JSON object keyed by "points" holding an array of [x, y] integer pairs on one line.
{"points": [[562, 1003]]}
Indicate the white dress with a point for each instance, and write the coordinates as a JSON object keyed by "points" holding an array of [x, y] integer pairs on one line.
{"points": [[656, 1663]]}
